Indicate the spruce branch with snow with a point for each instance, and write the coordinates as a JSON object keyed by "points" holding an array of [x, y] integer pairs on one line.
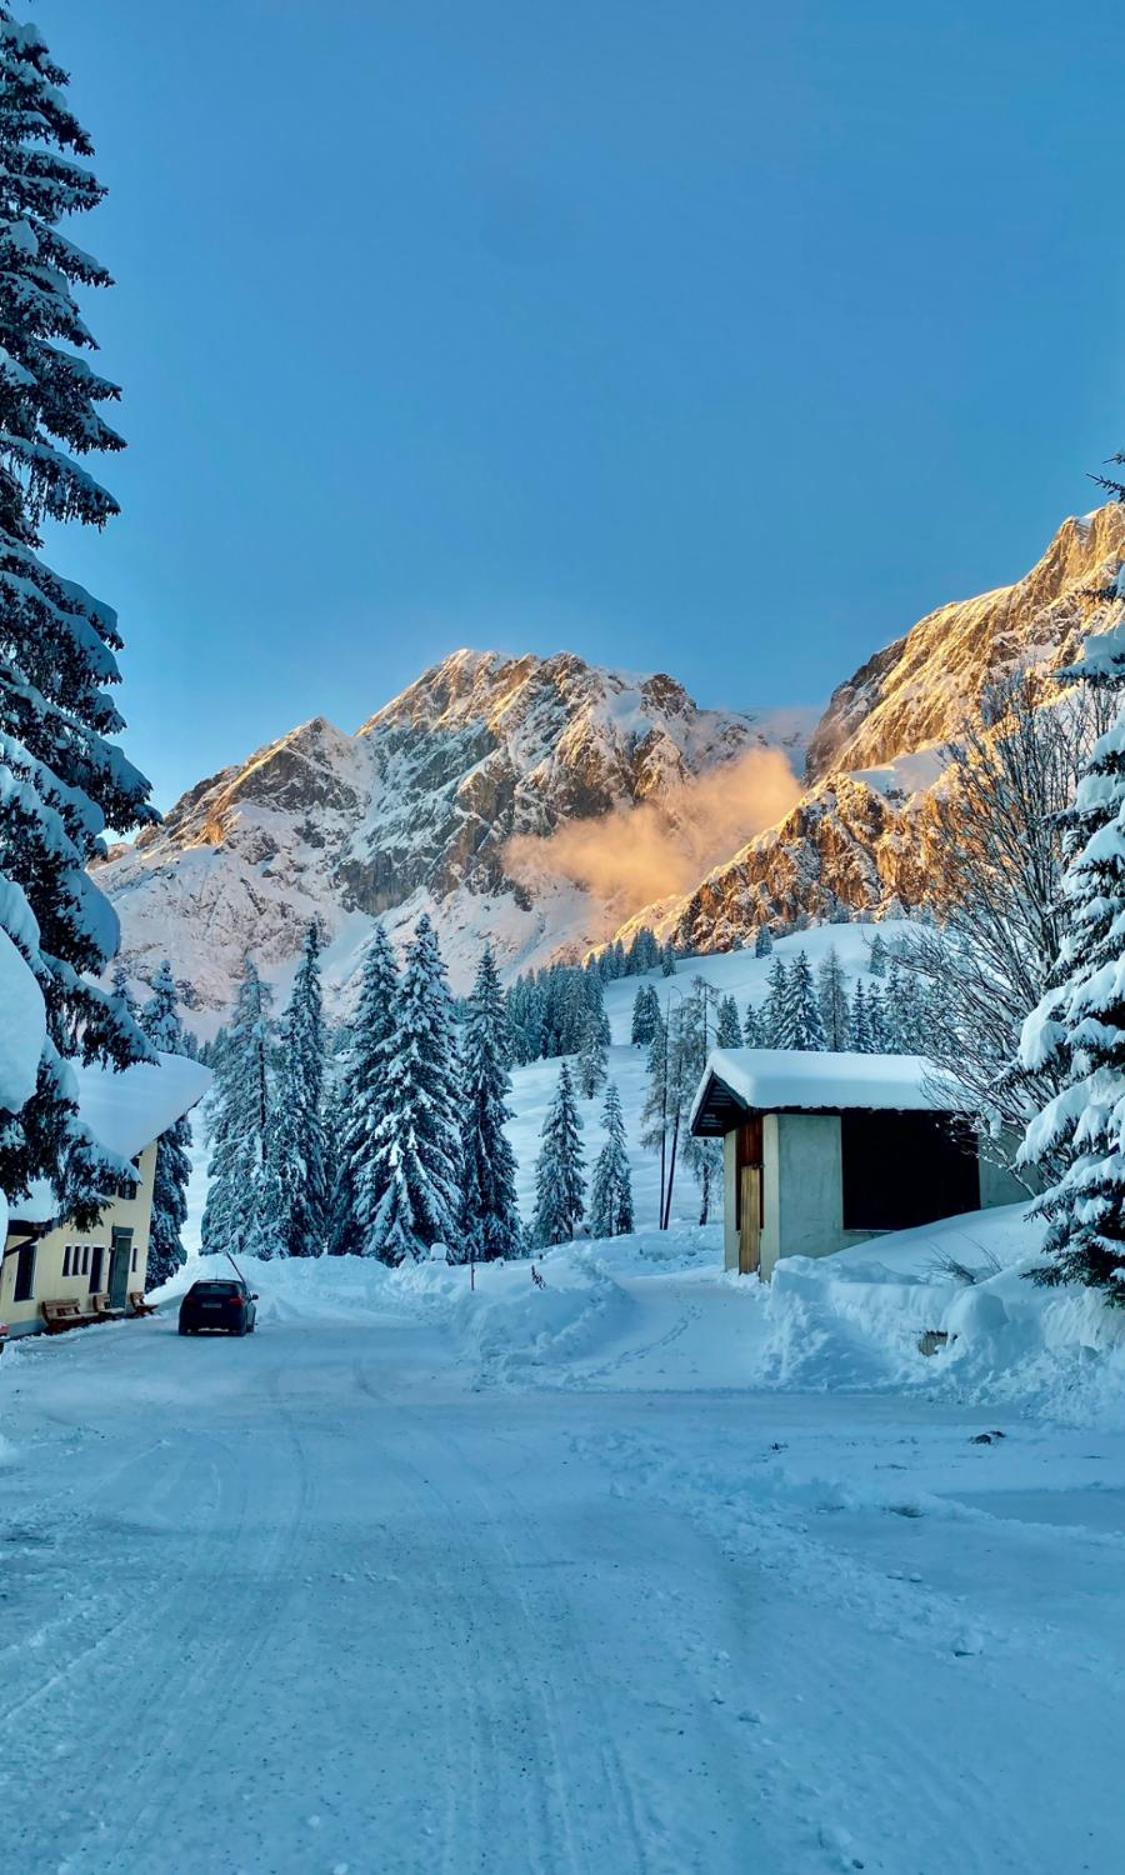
{"points": [[62, 780]]}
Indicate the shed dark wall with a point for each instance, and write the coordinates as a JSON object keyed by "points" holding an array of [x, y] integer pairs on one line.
{"points": [[902, 1169]]}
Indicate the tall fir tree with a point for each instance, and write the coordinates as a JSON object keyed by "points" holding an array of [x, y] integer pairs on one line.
{"points": [[883, 1037], [1078, 1138], [801, 1025], [592, 1065], [418, 1144], [298, 1145], [728, 1028], [560, 1184], [611, 1187], [863, 1040], [832, 993], [668, 960], [490, 1219], [763, 941], [752, 1028], [161, 1022], [646, 1015], [123, 994], [64, 780], [877, 961], [773, 1011], [362, 1104], [234, 1219]]}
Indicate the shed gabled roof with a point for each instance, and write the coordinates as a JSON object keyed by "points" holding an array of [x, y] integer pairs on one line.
{"points": [[781, 1080]]}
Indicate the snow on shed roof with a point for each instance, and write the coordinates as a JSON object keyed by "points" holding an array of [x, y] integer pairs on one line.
{"points": [[773, 1080], [125, 1111]]}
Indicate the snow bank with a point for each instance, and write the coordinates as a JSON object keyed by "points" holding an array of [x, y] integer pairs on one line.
{"points": [[857, 1320]]}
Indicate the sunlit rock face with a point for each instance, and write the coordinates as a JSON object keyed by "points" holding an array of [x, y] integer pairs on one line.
{"points": [[862, 839]]}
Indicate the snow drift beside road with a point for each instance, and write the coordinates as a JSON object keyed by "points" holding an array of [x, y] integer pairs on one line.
{"points": [[656, 1311]]}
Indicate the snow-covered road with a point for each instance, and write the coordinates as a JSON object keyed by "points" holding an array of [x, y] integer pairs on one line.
{"points": [[308, 1602]]}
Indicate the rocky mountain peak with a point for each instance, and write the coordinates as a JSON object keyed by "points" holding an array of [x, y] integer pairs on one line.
{"points": [[916, 690], [415, 811]]}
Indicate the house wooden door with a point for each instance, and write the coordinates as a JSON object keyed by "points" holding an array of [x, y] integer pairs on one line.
{"points": [[749, 1195], [750, 1223], [119, 1268]]}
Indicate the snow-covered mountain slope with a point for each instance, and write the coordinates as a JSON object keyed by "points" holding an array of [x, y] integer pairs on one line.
{"points": [[860, 837], [415, 811]]}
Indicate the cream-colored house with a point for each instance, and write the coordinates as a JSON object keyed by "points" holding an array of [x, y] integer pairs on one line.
{"points": [[46, 1259], [823, 1150]]}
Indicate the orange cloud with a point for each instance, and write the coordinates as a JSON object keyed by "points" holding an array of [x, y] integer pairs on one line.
{"points": [[635, 855]]}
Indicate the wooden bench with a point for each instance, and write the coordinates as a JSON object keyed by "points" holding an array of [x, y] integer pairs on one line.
{"points": [[62, 1314], [138, 1305], [102, 1311]]}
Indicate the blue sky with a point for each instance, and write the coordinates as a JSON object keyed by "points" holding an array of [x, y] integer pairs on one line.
{"points": [[725, 339]]}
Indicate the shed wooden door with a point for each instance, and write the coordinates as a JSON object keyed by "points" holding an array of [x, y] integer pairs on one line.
{"points": [[750, 1223]]}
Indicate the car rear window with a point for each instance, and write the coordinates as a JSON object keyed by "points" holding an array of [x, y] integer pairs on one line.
{"points": [[216, 1289]]}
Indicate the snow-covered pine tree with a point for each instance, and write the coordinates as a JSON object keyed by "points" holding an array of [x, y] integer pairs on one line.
{"points": [[646, 1015], [611, 1188], [832, 993], [418, 1144], [728, 1028], [161, 1022], [763, 941], [61, 780], [668, 960], [862, 1041], [364, 1082], [801, 1026], [238, 1120], [560, 1184], [877, 961], [752, 1028], [883, 1037], [298, 1145], [593, 1056], [1078, 1137], [490, 1218], [772, 1014], [123, 994]]}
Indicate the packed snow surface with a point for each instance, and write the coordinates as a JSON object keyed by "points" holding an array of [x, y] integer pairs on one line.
{"points": [[570, 1579]]}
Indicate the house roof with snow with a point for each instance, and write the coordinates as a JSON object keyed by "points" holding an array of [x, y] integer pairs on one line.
{"points": [[787, 1080], [124, 1110]]}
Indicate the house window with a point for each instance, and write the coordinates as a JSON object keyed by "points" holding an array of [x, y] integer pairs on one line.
{"points": [[25, 1273], [66, 1261], [134, 1265], [85, 1259]]}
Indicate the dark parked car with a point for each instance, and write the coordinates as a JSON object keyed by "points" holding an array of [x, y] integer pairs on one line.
{"points": [[224, 1304]]}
